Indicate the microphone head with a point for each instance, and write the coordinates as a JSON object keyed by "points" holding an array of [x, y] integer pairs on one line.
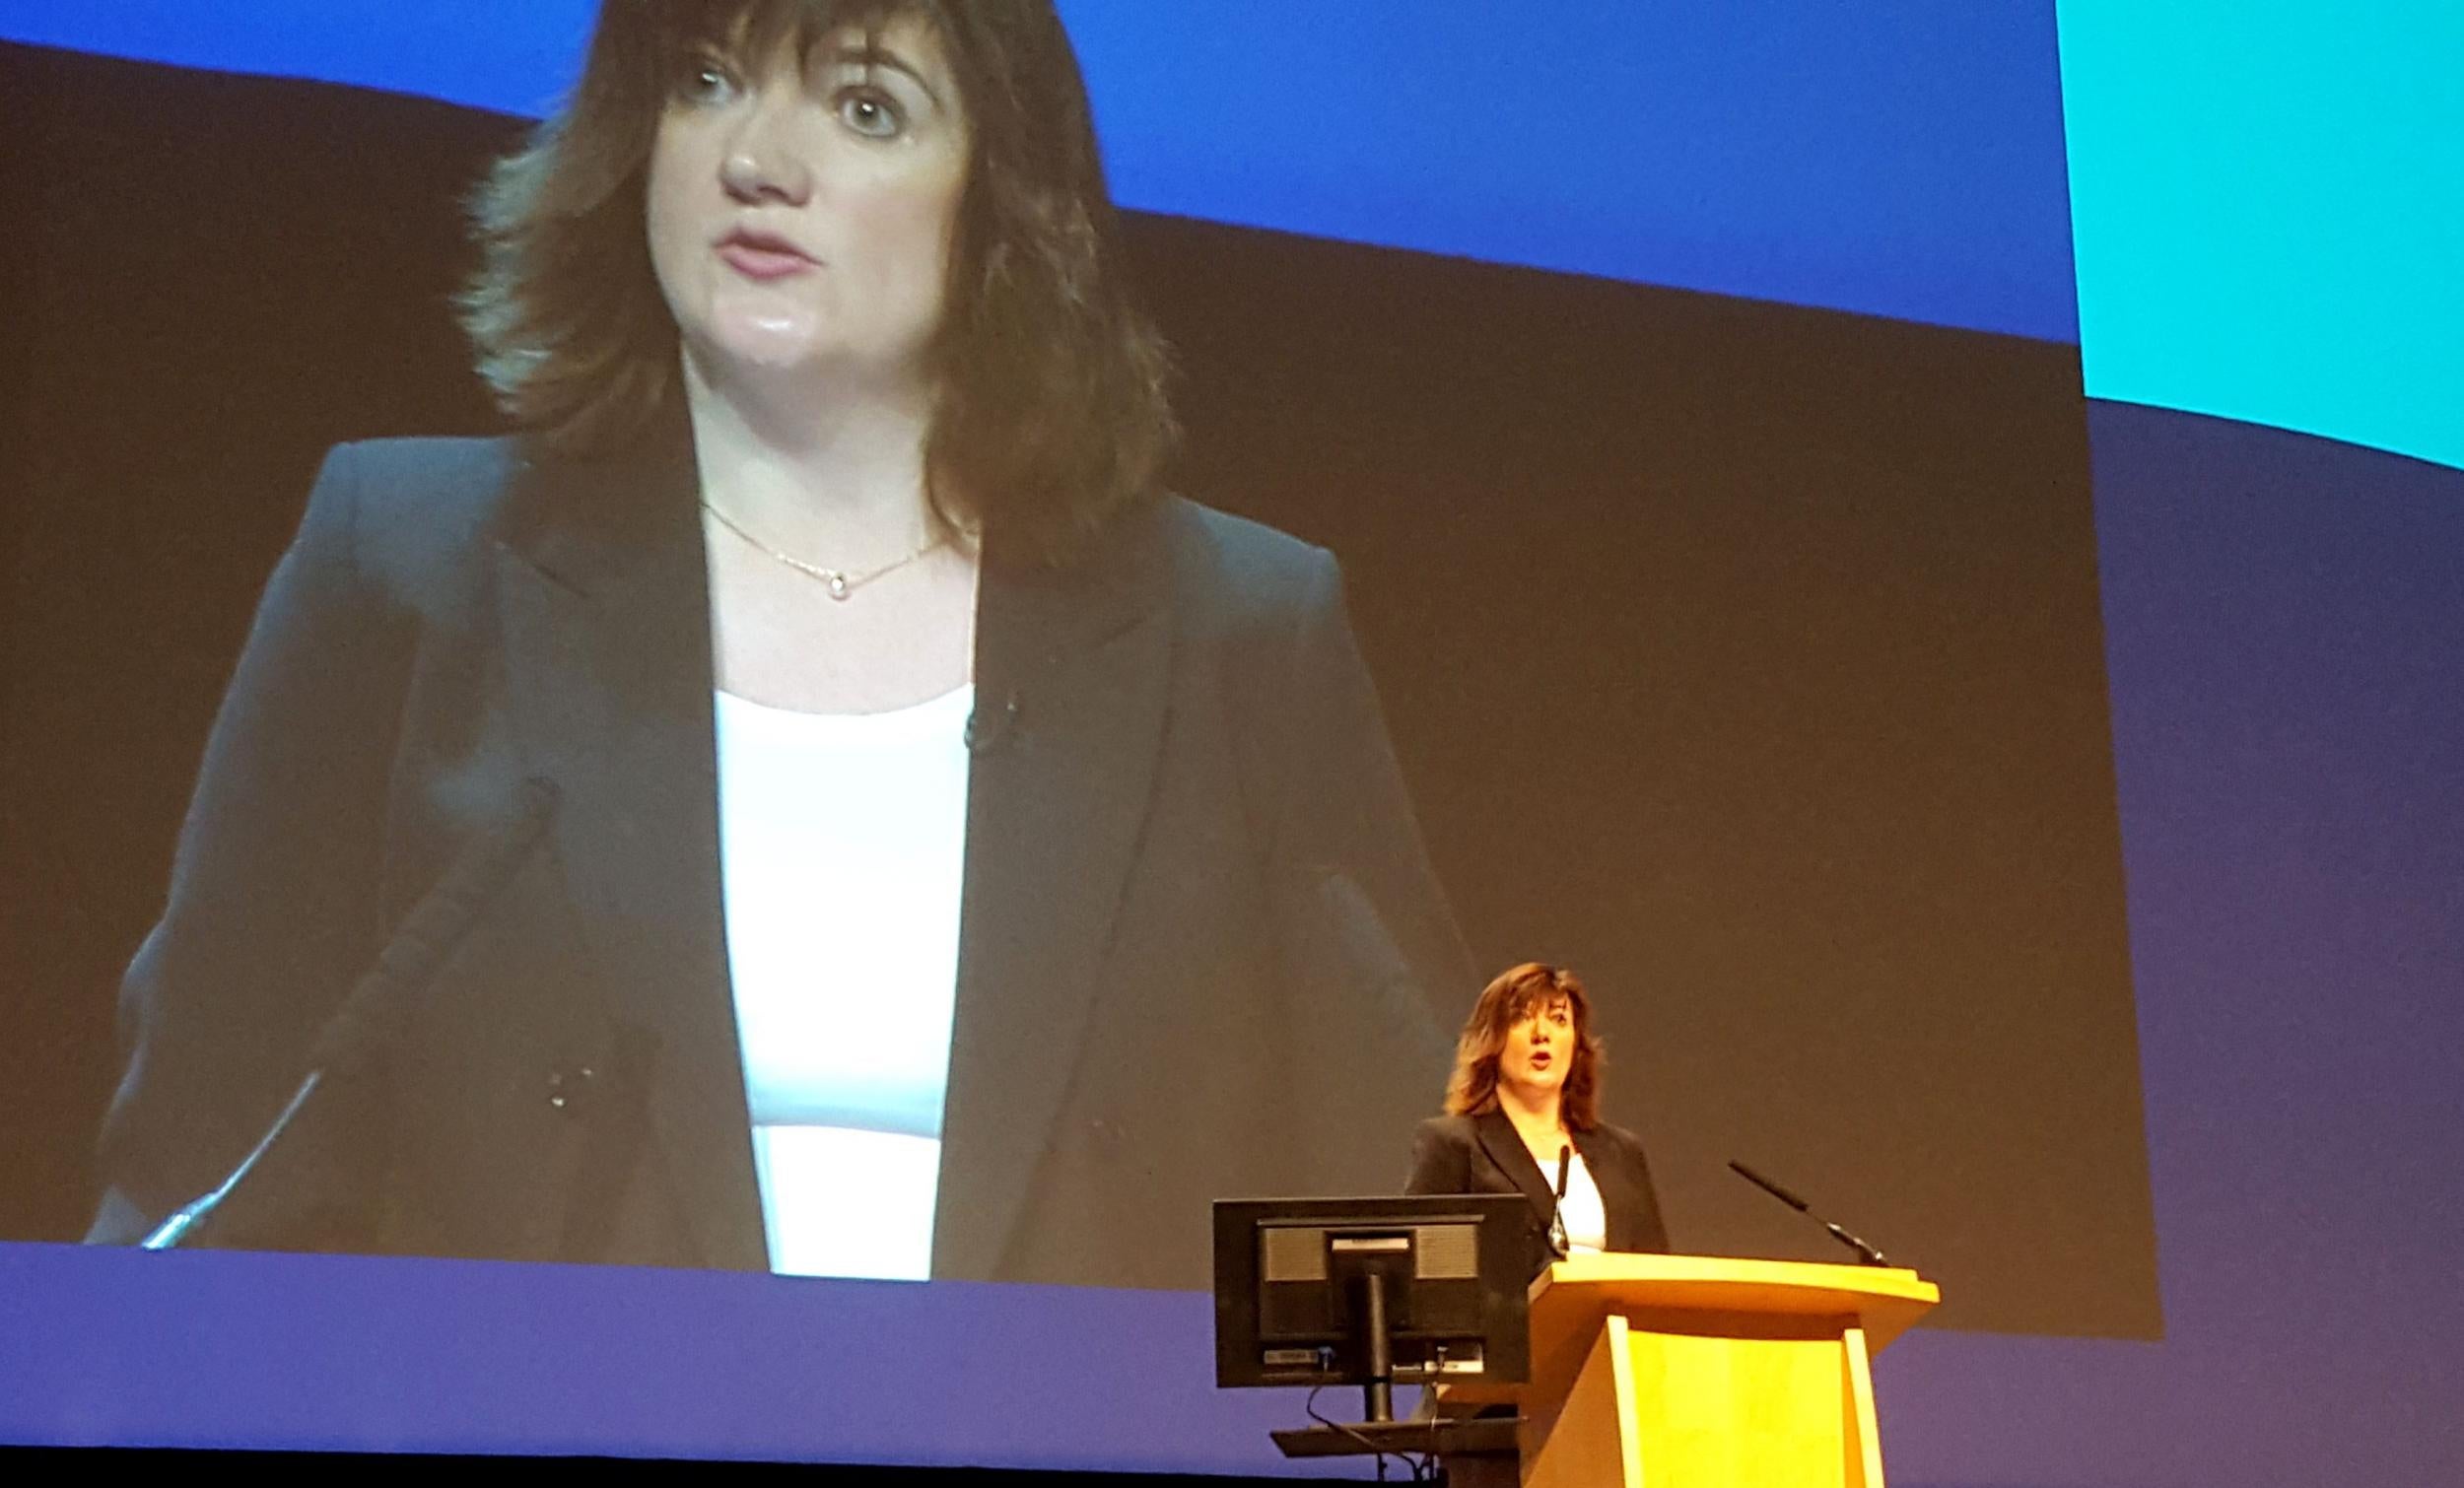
{"points": [[1768, 1186]]}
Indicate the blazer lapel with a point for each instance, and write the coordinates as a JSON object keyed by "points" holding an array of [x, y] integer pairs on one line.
{"points": [[1071, 672], [1504, 1146], [604, 603]]}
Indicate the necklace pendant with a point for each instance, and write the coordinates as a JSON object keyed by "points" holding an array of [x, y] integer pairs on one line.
{"points": [[837, 584]]}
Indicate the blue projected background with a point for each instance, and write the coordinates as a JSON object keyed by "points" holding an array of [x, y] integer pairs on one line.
{"points": [[2268, 202], [1917, 174]]}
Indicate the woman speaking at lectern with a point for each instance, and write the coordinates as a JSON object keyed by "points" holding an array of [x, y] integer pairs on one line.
{"points": [[962, 858], [1524, 1099]]}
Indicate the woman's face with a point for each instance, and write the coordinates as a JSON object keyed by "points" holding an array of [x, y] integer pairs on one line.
{"points": [[801, 210], [1539, 1048]]}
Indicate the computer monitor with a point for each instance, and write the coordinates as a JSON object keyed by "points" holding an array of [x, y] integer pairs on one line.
{"points": [[1373, 1292]]}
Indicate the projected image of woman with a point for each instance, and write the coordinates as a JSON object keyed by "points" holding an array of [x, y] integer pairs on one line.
{"points": [[964, 859], [1525, 1091]]}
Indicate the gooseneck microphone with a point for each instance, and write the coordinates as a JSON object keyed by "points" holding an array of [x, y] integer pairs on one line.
{"points": [[1558, 1240], [381, 1005], [1866, 1253]]}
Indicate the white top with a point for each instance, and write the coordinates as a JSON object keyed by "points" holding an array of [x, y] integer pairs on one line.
{"points": [[842, 847], [1586, 1217]]}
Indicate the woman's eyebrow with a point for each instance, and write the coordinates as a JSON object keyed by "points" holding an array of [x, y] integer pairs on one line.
{"points": [[872, 55]]}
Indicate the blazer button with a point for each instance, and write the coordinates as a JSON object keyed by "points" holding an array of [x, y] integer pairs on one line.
{"points": [[569, 1087]]}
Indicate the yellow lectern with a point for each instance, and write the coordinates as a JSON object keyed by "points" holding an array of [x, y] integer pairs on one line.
{"points": [[1678, 1370]]}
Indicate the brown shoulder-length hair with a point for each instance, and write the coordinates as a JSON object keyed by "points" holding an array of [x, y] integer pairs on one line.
{"points": [[1051, 409], [1472, 1088]]}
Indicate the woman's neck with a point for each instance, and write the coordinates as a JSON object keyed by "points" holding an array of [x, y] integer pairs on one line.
{"points": [[1538, 1114], [840, 480]]}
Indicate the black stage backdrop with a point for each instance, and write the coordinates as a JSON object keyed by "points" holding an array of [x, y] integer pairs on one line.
{"points": [[1746, 657]]}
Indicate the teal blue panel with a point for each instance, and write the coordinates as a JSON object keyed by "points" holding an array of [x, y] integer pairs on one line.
{"points": [[2267, 198]]}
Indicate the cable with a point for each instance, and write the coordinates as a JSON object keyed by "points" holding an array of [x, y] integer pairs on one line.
{"points": [[1419, 1466], [1309, 1405]]}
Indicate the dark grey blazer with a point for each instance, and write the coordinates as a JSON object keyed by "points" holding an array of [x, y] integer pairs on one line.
{"points": [[1199, 935], [1484, 1154]]}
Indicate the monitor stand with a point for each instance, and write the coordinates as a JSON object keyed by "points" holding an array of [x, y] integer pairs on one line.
{"points": [[1381, 1434]]}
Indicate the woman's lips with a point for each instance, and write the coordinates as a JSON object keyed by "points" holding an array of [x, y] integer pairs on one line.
{"points": [[763, 258]]}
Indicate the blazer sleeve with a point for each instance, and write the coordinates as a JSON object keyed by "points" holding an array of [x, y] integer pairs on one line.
{"points": [[1441, 1163], [1367, 931], [272, 909]]}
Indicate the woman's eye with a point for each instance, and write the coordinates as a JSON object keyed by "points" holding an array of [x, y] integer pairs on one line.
{"points": [[871, 114], [705, 83]]}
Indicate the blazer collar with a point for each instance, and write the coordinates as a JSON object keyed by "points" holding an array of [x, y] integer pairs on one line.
{"points": [[608, 526], [626, 528], [1505, 1148], [604, 603]]}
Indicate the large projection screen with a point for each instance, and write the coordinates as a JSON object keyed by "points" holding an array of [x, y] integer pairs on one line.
{"points": [[1738, 638]]}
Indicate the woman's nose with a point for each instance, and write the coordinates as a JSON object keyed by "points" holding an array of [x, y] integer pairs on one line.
{"points": [[763, 163]]}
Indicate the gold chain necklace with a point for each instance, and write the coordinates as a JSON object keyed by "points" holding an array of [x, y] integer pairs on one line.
{"points": [[841, 583]]}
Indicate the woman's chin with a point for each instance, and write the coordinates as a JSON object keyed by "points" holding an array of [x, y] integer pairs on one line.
{"points": [[782, 358], [767, 350], [755, 330], [1537, 1086]]}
